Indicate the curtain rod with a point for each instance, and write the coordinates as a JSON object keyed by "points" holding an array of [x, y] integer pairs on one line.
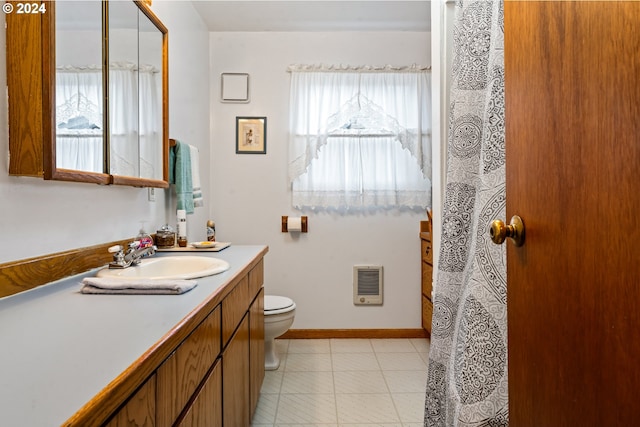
{"points": [[414, 68]]}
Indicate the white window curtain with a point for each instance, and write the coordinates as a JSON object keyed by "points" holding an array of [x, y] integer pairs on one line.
{"points": [[135, 132], [123, 119], [79, 124], [360, 138], [134, 135], [150, 123]]}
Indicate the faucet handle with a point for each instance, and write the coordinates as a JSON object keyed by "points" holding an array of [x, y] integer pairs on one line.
{"points": [[115, 249], [118, 257]]}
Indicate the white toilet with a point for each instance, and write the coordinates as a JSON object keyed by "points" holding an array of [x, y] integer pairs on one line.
{"points": [[278, 318]]}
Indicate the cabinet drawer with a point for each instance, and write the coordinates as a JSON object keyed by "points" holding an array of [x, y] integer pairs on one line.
{"points": [[427, 313], [427, 251], [256, 279], [140, 410], [206, 409], [234, 307], [427, 279], [183, 371]]}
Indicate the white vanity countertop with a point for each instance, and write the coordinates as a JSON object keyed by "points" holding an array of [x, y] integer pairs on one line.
{"points": [[59, 348]]}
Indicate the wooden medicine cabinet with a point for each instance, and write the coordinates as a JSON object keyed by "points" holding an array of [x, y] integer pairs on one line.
{"points": [[88, 87]]}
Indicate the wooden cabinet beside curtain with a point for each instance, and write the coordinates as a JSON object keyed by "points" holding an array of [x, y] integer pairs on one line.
{"points": [[31, 81], [426, 249]]}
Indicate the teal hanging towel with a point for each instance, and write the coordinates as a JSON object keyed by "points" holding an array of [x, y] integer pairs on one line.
{"points": [[180, 176]]}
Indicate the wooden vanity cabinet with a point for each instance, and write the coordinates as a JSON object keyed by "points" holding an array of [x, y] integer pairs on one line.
{"points": [[235, 378], [256, 335], [213, 377], [256, 349], [140, 410], [181, 374], [234, 308], [185, 388], [206, 409], [243, 356], [426, 250]]}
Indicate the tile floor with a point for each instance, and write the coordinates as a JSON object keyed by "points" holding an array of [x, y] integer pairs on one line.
{"points": [[345, 383]]}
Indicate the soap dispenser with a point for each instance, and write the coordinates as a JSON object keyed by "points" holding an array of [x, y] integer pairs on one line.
{"points": [[144, 238]]}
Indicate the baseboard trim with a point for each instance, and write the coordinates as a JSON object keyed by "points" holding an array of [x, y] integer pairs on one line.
{"points": [[354, 333]]}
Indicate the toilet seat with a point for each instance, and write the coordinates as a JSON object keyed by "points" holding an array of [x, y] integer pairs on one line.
{"points": [[274, 304]]}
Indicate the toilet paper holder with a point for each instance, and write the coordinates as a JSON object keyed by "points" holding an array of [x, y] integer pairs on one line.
{"points": [[285, 224]]}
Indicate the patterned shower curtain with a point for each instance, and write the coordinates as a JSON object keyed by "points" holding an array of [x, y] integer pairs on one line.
{"points": [[467, 380]]}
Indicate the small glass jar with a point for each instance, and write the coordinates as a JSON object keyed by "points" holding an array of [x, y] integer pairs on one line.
{"points": [[165, 237]]}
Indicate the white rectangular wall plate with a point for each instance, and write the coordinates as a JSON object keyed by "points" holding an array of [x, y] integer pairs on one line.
{"points": [[234, 87]]}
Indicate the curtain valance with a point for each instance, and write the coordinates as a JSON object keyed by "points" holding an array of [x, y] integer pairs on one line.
{"points": [[301, 68]]}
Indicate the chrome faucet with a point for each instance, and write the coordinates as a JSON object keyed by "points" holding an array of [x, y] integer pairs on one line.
{"points": [[133, 255]]}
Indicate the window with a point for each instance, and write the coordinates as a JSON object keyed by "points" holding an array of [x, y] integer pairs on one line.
{"points": [[360, 139]]}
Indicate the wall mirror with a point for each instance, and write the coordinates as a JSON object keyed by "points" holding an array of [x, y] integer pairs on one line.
{"points": [[104, 94], [79, 87]]}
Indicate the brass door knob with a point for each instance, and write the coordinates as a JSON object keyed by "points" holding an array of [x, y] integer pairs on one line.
{"points": [[499, 231]]}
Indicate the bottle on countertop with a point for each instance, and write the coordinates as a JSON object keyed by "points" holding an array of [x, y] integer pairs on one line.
{"points": [[181, 216], [211, 231]]}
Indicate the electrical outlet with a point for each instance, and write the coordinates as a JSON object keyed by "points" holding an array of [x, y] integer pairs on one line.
{"points": [[152, 194]]}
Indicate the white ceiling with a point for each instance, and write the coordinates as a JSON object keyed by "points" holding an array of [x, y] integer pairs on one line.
{"points": [[315, 15]]}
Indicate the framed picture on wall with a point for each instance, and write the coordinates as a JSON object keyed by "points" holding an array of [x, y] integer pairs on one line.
{"points": [[251, 135]]}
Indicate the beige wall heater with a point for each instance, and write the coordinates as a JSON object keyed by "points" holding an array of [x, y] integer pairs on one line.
{"points": [[367, 284]]}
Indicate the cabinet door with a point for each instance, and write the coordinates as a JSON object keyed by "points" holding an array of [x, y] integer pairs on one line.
{"points": [[235, 378], [45, 52], [183, 371], [256, 348], [140, 410], [206, 410], [256, 278], [427, 313], [234, 308], [427, 280]]}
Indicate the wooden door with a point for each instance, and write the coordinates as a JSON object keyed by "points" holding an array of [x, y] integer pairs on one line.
{"points": [[573, 174]]}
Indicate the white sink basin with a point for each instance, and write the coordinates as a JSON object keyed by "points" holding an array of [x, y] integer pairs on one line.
{"points": [[170, 267]]}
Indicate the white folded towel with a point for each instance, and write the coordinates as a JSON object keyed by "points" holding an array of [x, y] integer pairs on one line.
{"points": [[135, 286], [195, 177]]}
